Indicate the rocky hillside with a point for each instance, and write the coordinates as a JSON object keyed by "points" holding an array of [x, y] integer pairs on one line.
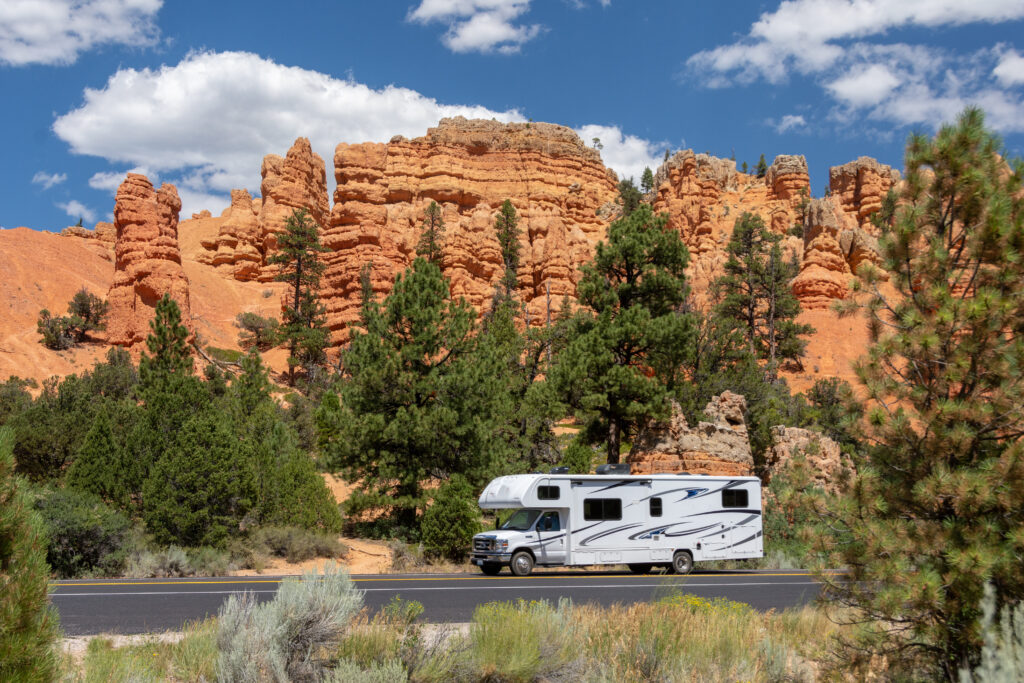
{"points": [[216, 266]]}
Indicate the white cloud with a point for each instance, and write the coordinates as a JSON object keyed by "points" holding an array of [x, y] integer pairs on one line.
{"points": [[837, 44], [1010, 70], [206, 123], [479, 25], [864, 85], [111, 180], [790, 122], [77, 209], [48, 180], [627, 155], [57, 31]]}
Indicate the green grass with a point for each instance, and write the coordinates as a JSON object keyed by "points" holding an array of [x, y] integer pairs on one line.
{"points": [[225, 355], [193, 658]]}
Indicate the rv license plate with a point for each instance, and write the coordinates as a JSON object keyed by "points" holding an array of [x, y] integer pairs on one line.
{"points": [[478, 563]]}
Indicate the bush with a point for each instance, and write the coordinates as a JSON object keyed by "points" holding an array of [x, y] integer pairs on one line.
{"points": [[451, 521], [85, 535], [296, 544], [578, 457], [86, 313], [291, 638], [257, 331], [390, 671], [56, 332], [170, 562], [520, 641]]}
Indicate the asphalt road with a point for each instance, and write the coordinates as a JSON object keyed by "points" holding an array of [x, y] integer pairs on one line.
{"points": [[130, 606]]}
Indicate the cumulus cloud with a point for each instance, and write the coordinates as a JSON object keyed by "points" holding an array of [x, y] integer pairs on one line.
{"points": [[627, 155], [837, 44], [111, 180], [77, 209], [789, 122], [479, 25], [48, 180], [58, 31], [207, 122]]}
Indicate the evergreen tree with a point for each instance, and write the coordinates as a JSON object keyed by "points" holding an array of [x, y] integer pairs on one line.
{"points": [[167, 344], [452, 520], [506, 225], [257, 331], [762, 167], [629, 197], [200, 489], [86, 313], [57, 333], [431, 239], [754, 294], [647, 180], [304, 328], [937, 510], [632, 334], [28, 625], [100, 465], [743, 167], [418, 404]]}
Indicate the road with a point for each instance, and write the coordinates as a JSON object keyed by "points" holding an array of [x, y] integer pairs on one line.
{"points": [[129, 606]]}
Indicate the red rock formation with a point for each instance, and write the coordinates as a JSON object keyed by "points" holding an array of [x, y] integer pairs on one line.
{"points": [[235, 250], [860, 186], [103, 232], [824, 272], [296, 181], [829, 467], [147, 259], [719, 447], [787, 179], [469, 168]]}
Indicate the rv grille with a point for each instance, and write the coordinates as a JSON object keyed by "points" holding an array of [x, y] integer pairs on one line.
{"points": [[483, 544]]}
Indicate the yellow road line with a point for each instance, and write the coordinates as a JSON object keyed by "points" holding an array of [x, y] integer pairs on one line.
{"points": [[244, 580]]}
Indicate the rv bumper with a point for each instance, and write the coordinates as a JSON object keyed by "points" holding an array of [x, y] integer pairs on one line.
{"points": [[491, 558]]}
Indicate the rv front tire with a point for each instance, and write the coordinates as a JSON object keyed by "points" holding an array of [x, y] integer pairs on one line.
{"points": [[682, 562], [522, 563]]}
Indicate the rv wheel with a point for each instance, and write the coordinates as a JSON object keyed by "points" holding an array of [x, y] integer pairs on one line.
{"points": [[682, 562], [640, 568], [490, 568], [522, 563]]}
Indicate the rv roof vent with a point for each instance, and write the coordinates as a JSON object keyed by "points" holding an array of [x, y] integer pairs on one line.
{"points": [[559, 470], [617, 468]]}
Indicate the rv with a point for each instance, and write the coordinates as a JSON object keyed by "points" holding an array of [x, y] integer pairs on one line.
{"points": [[643, 521]]}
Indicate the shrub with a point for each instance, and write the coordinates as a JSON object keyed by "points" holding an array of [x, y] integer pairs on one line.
{"points": [[291, 638], [167, 562], [520, 641], [101, 463], [85, 535], [86, 313], [578, 457], [296, 544], [28, 626], [391, 671], [257, 331], [56, 332], [451, 521], [193, 658]]}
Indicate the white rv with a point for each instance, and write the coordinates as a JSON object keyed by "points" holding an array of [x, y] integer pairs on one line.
{"points": [[671, 520]]}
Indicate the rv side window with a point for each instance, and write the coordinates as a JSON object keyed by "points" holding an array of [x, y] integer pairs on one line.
{"points": [[548, 492], [655, 507], [734, 498], [598, 509]]}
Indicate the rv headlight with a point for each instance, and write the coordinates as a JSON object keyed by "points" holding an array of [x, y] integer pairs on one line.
{"points": [[501, 545]]}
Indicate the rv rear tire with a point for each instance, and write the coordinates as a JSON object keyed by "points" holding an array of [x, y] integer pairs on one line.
{"points": [[490, 568], [682, 562], [640, 568], [522, 563]]}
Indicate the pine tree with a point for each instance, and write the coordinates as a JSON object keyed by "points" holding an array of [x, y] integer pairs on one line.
{"points": [[452, 520], [417, 404], [304, 328], [432, 237], [754, 294], [647, 180], [28, 625], [632, 333], [506, 225], [86, 312], [629, 197], [100, 465], [762, 167], [937, 510], [167, 344]]}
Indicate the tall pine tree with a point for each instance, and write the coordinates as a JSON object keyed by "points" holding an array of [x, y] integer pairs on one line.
{"points": [[937, 510], [506, 225], [632, 333], [304, 328], [432, 236]]}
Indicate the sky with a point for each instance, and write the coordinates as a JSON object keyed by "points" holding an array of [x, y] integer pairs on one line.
{"points": [[197, 92]]}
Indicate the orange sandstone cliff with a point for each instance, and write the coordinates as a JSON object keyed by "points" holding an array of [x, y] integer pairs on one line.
{"points": [[147, 259]]}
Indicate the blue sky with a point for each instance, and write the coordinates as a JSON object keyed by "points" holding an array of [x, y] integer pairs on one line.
{"points": [[195, 93]]}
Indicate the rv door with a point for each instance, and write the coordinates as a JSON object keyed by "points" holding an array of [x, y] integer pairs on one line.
{"points": [[551, 538]]}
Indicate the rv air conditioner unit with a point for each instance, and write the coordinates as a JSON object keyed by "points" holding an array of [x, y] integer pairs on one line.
{"points": [[559, 470]]}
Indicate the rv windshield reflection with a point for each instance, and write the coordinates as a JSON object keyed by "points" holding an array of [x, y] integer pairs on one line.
{"points": [[521, 520]]}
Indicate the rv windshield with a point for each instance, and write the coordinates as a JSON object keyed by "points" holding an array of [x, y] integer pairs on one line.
{"points": [[521, 520]]}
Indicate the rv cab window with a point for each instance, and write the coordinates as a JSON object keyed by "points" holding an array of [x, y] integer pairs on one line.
{"points": [[549, 522], [521, 520]]}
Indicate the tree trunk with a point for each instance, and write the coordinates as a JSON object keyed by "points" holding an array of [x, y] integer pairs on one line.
{"points": [[614, 434]]}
